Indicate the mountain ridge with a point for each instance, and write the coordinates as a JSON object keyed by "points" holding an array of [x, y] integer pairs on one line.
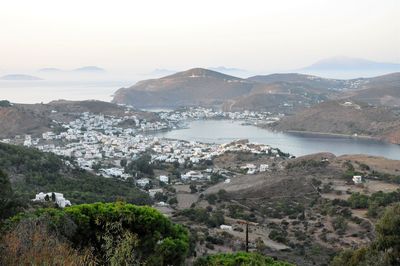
{"points": [[199, 86]]}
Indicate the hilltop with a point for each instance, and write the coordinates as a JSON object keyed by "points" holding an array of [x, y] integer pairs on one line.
{"points": [[188, 88], [285, 93], [205, 87], [343, 117]]}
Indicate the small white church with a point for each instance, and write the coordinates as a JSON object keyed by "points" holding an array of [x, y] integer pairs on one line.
{"points": [[59, 198]]}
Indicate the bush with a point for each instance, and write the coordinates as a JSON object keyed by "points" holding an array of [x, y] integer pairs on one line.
{"points": [[116, 232], [358, 200], [278, 235], [339, 224], [238, 259]]}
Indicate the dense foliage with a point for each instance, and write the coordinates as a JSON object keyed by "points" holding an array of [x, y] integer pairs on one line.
{"points": [[375, 203], [9, 203], [32, 171], [5, 103], [115, 233], [141, 166], [239, 259]]}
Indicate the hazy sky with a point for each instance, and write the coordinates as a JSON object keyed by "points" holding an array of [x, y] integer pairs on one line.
{"points": [[178, 34]]}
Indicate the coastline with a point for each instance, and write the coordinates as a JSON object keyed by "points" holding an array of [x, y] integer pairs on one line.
{"points": [[334, 134]]}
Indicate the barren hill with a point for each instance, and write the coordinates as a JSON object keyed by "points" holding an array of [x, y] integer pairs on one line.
{"points": [[192, 87], [348, 118]]}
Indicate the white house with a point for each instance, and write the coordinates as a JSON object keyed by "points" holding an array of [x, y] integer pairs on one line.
{"points": [[143, 182], [263, 167], [59, 198], [251, 171], [226, 227], [193, 175], [249, 166], [357, 179], [152, 192], [163, 178]]}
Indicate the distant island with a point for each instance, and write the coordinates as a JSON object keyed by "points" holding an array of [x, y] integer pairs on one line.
{"points": [[19, 77], [349, 63], [92, 69]]}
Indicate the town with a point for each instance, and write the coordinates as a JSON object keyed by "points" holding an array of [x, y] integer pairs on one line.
{"points": [[105, 145]]}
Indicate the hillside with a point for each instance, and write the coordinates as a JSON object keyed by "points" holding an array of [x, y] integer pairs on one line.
{"points": [[306, 204], [192, 87], [277, 92], [31, 171], [209, 88], [339, 117], [382, 90], [34, 119]]}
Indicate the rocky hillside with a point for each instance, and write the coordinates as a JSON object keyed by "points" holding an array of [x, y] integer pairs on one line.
{"points": [[341, 117]]}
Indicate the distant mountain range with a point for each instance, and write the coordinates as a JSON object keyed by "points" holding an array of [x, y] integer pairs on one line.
{"points": [[19, 77], [283, 92], [87, 69], [342, 63], [348, 67]]}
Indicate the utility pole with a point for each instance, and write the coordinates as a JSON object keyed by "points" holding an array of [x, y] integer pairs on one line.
{"points": [[247, 223]]}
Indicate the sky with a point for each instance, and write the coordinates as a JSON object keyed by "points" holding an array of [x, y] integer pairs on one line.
{"points": [[140, 36]]}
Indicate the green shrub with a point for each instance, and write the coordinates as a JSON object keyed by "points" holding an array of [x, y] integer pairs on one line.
{"points": [[115, 230], [238, 259]]}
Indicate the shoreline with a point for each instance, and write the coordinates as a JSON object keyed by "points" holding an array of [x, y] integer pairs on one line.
{"points": [[334, 135]]}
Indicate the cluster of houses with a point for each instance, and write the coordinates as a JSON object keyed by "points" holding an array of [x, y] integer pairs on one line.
{"points": [[94, 139], [252, 168], [195, 113], [99, 143]]}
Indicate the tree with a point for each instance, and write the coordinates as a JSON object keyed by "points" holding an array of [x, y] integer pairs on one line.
{"points": [[358, 200], [123, 162], [339, 223], [193, 188], [388, 229], [142, 164], [384, 250], [173, 201], [5, 194], [115, 233]]}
